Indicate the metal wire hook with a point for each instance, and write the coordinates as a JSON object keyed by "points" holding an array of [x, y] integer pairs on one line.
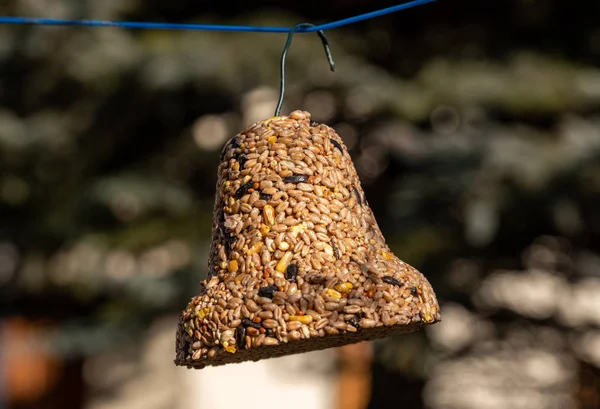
{"points": [[284, 55]]}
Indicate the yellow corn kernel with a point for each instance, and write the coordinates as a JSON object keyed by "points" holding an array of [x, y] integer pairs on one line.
{"points": [[264, 229], [255, 249], [272, 139], [231, 349], [269, 214], [297, 229], [204, 312], [344, 287], [284, 262], [387, 255], [233, 266], [236, 166], [332, 293], [305, 319]]}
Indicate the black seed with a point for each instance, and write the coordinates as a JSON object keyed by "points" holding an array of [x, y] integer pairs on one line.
{"points": [[414, 291], [316, 278], [226, 244], [336, 252], [337, 144], [296, 179], [269, 332], [229, 242], [267, 291], [221, 218], [242, 190], [392, 280], [248, 323], [232, 144], [354, 321], [240, 336], [313, 123], [291, 272], [265, 197], [242, 161], [358, 197]]}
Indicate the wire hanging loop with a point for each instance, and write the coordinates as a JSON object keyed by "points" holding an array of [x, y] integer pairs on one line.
{"points": [[288, 44]]}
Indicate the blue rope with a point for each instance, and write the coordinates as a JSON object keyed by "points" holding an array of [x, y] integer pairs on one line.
{"points": [[207, 27]]}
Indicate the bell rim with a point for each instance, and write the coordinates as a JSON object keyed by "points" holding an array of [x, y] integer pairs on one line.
{"points": [[306, 345]]}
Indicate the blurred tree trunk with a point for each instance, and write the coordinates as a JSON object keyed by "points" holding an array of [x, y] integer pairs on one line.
{"points": [[355, 376]]}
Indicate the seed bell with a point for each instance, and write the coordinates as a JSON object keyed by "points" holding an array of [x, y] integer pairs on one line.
{"points": [[297, 262]]}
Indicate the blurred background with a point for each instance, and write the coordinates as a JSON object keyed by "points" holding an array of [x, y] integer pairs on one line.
{"points": [[474, 126]]}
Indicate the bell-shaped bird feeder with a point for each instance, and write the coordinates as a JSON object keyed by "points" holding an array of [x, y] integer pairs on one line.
{"points": [[297, 262]]}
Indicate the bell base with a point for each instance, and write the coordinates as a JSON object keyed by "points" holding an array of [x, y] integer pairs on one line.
{"points": [[300, 346]]}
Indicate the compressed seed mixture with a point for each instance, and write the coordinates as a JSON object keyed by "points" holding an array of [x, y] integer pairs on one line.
{"points": [[298, 262]]}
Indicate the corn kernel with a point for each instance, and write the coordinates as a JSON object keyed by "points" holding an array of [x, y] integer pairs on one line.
{"points": [[297, 229], [305, 319], [332, 293], [236, 166], [387, 255], [204, 312], [255, 249], [344, 287], [231, 349], [233, 266], [272, 139], [264, 229], [284, 262]]}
